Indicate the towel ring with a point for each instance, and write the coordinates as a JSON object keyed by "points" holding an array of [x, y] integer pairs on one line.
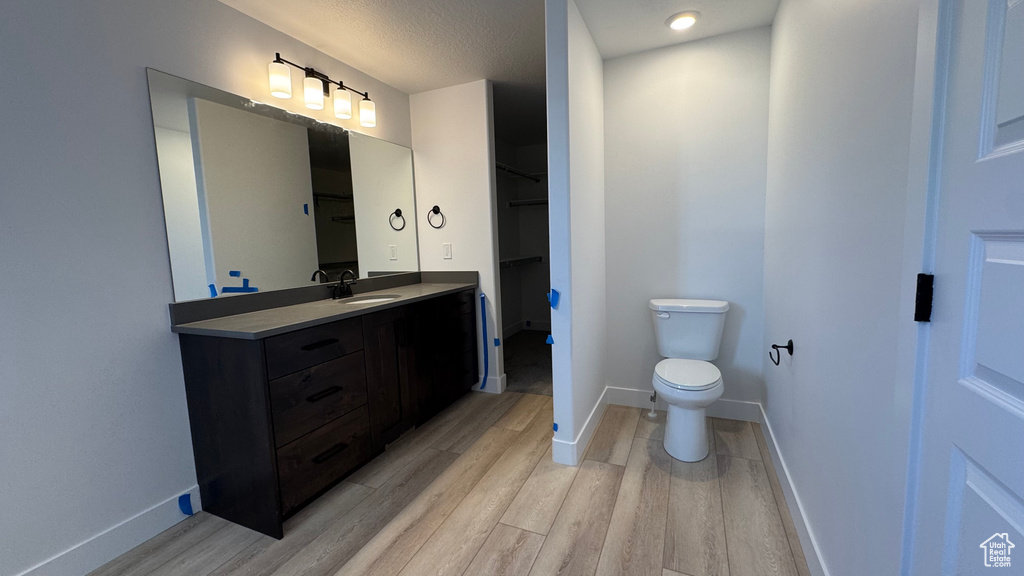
{"points": [[395, 215], [436, 210], [777, 358]]}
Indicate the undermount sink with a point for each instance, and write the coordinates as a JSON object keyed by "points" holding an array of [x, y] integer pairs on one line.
{"points": [[375, 299]]}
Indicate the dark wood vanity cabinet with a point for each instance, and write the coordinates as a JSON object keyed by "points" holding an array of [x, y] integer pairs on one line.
{"points": [[277, 421]]}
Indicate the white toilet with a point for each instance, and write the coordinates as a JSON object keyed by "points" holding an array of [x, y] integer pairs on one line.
{"points": [[688, 334]]}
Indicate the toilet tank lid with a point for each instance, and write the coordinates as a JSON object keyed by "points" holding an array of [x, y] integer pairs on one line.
{"points": [[683, 305]]}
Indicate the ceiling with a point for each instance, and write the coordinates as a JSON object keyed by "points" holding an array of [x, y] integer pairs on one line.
{"points": [[626, 27], [418, 45]]}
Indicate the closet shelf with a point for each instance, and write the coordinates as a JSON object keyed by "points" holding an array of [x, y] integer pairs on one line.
{"points": [[532, 202], [510, 262], [517, 172]]}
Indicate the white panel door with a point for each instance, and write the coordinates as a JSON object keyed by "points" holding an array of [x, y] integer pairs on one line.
{"points": [[970, 508]]}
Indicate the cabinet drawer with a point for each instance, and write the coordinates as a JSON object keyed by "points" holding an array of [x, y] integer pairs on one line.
{"points": [[304, 401], [294, 351], [318, 459]]}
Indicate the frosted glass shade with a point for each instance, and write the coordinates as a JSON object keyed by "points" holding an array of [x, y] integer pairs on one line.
{"points": [[367, 113], [313, 90], [280, 80], [342, 103]]}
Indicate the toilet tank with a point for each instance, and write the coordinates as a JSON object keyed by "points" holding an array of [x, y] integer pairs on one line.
{"points": [[688, 328]]}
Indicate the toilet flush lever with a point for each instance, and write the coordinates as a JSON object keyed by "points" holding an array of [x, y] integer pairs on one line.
{"points": [[778, 352], [663, 314]]}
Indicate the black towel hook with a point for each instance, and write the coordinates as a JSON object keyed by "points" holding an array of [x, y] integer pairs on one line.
{"points": [[777, 358], [396, 214], [436, 210]]}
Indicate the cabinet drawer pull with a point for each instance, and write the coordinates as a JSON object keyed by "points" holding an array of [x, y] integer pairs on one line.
{"points": [[330, 453], [323, 394], [320, 344]]}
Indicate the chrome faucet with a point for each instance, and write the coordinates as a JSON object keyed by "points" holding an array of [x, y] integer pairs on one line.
{"points": [[344, 287]]}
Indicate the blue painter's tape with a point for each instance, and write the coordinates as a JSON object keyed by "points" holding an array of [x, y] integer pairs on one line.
{"points": [[239, 289], [497, 342], [550, 340], [556, 426], [487, 353], [553, 297], [213, 291], [235, 274], [305, 209], [185, 504]]}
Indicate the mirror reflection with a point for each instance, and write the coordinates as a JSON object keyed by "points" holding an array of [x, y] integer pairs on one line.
{"points": [[257, 199]]}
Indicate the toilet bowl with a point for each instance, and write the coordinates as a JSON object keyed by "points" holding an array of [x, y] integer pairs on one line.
{"points": [[689, 387], [688, 333]]}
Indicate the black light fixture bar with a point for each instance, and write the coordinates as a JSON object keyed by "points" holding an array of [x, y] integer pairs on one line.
{"points": [[314, 73]]}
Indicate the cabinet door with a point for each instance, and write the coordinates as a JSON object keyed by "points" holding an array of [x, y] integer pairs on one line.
{"points": [[444, 361], [389, 397]]}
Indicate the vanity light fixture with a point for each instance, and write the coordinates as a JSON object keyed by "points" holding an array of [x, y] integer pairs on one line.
{"points": [[682, 20], [316, 86]]}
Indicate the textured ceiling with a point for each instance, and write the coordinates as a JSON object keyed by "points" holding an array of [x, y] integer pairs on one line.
{"points": [[418, 45], [621, 27]]}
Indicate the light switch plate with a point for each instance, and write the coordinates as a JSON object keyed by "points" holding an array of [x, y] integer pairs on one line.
{"points": [[446, 250], [392, 252]]}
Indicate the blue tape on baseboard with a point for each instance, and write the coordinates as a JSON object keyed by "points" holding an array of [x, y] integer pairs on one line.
{"points": [[305, 209], [550, 340], [185, 504], [213, 291], [235, 274], [556, 426]]}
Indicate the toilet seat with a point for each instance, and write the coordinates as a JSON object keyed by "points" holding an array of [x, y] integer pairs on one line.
{"points": [[683, 374]]}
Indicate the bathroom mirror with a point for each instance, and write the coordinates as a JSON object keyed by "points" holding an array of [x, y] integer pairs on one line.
{"points": [[257, 198]]}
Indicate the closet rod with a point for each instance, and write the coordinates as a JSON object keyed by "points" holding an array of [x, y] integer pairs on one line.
{"points": [[517, 172]]}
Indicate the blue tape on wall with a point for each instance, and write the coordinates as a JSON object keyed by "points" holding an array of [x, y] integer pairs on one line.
{"points": [[556, 426], [243, 289], [185, 504], [213, 291], [550, 340], [497, 342], [553, 297], [305, 209], [487, 353], [235, 273]]}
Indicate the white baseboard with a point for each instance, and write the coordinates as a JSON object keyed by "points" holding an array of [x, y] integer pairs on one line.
{"points": [[495, 385], [723, 408], [509, 331], [796, 509], [570, 453], [97, 550]]}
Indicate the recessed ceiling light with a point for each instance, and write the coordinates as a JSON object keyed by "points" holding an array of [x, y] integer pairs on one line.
{"points": [[683, 20]]}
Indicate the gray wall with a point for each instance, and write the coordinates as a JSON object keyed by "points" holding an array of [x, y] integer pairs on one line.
{"points": [[93, 417], [686, 138], [842, 79]]}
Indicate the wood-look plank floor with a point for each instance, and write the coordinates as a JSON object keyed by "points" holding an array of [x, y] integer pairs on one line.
{"points": [[475, 492]]}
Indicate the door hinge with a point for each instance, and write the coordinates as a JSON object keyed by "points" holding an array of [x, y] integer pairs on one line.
{"points": [[923, 303]]}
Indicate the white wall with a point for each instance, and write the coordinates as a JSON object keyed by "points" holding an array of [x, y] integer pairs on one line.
{"points": [[453, 152], [382, 181], [93, 418], [577, 221], [842, 79], [686, 136]]}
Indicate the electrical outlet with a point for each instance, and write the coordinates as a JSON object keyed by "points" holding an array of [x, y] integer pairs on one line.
{"points": [[392, 252], [446, 251]]}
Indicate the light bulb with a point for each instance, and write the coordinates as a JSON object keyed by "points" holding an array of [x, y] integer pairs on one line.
{"points": [[682, 21], [313, 89], [367, 113], [342, 103], [280, 80]]}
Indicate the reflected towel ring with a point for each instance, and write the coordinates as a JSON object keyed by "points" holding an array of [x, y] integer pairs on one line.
{"points": [[396, 214], [777, 358], [435, 210]]}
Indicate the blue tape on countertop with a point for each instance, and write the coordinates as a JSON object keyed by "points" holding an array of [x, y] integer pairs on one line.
{"points": [[185, 504]]}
